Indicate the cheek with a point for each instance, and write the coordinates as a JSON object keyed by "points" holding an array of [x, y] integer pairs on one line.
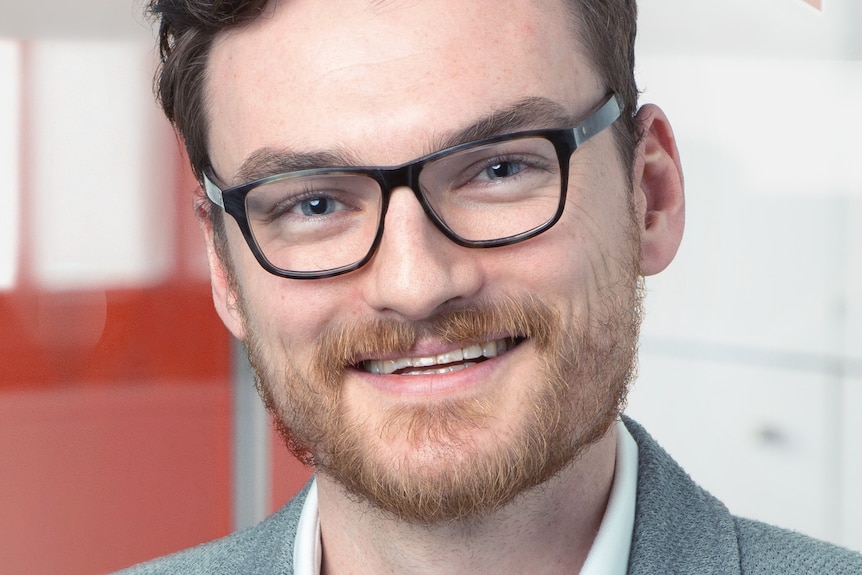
{"points": [[282, 313], [278, 312], [291, 312], [571, 265], [555, 266]]}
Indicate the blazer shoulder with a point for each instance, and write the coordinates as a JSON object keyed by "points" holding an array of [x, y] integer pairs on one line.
{"points": [[263, 549], [766, 549]]}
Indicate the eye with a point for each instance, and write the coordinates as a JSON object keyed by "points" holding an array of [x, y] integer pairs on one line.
{"points": [[319, 206], [504, 169]]}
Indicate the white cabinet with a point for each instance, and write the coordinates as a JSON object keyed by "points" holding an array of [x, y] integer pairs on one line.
{"points": [[751, 371], [851, 468], [758, 438]]}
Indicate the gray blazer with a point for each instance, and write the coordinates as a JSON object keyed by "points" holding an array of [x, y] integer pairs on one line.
{"points": [[679, 529]]}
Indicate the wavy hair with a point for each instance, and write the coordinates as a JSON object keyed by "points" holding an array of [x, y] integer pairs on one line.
{"points": [[606, 30]]}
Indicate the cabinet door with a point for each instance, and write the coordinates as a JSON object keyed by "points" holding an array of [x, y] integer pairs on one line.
{"points": [[758, 438], [851, 504]]}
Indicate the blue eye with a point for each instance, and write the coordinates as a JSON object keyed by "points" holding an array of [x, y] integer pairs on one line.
{"points": [[318, 206], [503, 170]]}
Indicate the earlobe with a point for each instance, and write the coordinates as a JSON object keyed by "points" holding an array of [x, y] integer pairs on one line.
{"points": [[224, 295], [659, 191]]}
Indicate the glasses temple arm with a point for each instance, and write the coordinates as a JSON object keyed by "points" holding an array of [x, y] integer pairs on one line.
{"points": [[606, 115], [214, 192]]}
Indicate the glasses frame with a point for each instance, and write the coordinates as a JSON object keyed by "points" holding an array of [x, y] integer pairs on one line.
{"points": [[564, 140]]}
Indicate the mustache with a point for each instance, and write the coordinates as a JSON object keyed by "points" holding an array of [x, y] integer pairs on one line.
{"points": [[523, 316]]}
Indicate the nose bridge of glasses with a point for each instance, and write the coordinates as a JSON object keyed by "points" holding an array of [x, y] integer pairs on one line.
{"points": [[407, 176]]}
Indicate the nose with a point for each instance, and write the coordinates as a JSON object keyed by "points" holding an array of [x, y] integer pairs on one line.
{"points": [[416, 269]]}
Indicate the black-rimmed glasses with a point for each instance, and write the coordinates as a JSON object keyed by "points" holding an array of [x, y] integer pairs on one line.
{"points": [[325, 222]]}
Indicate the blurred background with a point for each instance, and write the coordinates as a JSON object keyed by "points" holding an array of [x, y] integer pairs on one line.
{"points": [[128, 427]]}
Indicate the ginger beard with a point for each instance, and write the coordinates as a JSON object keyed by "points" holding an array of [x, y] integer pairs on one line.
{"points": [[586, 368]]}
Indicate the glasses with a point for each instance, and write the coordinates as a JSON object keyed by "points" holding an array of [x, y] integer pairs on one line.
{"points": [[324, 222]]}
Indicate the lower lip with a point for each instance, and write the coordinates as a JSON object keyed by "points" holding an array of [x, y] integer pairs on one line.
{"points": [[437, 383]]}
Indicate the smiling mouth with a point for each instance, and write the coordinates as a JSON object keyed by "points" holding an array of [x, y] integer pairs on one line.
{"points": [[448, 362]]}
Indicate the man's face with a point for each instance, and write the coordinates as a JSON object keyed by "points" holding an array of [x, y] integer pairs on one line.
{"points": [[556, 316]]}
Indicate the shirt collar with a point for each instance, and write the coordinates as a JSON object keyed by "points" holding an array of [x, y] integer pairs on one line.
{"points": [[609, 554], [307, 554]]}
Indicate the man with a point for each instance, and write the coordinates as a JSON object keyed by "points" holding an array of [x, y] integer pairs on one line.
{"points": [[439, 212]]}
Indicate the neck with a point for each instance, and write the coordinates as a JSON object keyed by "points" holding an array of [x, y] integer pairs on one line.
{"points": [[548, 529]]}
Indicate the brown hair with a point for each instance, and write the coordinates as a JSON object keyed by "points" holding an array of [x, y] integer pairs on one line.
{"points": [[605, 28]]}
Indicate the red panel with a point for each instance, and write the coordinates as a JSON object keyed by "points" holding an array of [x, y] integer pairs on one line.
{"points": [[167, 333], [114, 408], [96, 478]]}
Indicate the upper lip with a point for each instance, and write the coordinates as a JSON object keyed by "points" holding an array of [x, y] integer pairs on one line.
{"points": [[477, 351]]}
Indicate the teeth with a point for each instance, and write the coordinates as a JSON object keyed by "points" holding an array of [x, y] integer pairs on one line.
{"points": [[446, 369], [490, 349], [387, 366], [424, 361], [451, 357], [375, 367], [473, 352]]}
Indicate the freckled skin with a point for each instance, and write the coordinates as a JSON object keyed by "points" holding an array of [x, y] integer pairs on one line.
{"points": [[385, 84], [368, 85]]}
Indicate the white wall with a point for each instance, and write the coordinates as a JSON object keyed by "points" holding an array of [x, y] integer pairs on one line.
{"points": [[9, 162], [752, 348], [102, 201]]}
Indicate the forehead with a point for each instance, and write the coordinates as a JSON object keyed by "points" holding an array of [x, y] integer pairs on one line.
{"points": [[383, 79]]}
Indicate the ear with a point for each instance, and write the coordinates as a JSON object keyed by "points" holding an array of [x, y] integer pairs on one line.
{"points": [[659, 190], [224, 296]]}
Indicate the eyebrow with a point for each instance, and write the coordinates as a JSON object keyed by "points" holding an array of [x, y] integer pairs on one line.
{"points": [[527, 113], [269, 161]]}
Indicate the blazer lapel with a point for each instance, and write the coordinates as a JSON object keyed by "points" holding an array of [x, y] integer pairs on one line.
{"points": [[679, 527]]}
